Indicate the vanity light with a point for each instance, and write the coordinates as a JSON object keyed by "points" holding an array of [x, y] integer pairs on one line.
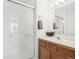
{"points": [[62, 1], [58, 2]]}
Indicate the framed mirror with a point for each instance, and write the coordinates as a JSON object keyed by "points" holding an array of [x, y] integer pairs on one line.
{"points": [[65, 19]]}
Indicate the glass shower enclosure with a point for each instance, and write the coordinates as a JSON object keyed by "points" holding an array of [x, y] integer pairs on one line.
{"points": [[19, 30]]}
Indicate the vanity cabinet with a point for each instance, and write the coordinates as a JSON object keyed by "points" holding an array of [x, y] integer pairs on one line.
{"points": [[52, 50], [56, 56], [44, 53]]}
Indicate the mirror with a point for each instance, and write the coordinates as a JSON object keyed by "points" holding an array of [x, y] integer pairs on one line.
{"points": [[64, 22]]}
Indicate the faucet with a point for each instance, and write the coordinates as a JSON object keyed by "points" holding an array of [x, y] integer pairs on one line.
{"points": [[58, 38]]}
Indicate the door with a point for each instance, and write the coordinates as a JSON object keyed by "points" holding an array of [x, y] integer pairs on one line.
{"points": [[18, 42], [44, 53]]}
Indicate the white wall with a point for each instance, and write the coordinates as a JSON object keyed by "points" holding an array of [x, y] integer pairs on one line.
{"points": [[60, 12], [47, 15]]}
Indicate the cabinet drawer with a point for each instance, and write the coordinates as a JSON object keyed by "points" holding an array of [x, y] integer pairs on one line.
{"points": [[52, 47], [66, 52], [42, 43]]}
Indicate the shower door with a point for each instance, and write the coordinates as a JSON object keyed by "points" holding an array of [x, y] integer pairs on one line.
{"points": [[19, 34]]}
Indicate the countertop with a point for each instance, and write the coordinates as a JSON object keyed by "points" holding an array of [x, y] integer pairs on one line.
{"points": [[66, 42]]}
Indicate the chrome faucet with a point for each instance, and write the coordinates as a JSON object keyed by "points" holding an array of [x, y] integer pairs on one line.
{"points": [[58, 38]]}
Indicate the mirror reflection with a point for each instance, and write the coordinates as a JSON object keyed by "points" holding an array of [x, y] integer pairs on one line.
{"points": [[64, 22]]}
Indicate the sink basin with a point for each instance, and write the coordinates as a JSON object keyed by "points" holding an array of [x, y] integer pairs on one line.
{"points": [[65, 41]]}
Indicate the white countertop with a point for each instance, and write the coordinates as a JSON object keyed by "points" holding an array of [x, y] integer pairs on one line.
{"points": [[67, 42]]}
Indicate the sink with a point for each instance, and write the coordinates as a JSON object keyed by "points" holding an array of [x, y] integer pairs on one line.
{"points": [[65, 41]]}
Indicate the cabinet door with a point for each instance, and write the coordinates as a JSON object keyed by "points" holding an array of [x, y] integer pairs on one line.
{"points": [[56, 56], [44, 53], [70, 57], [61, 57]]}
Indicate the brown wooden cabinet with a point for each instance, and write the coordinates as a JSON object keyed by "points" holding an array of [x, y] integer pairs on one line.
{"points": [[57, 56], [44, 53], [52, 50], [54, 56]]}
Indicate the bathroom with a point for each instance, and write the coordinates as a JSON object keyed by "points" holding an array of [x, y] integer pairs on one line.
{"points": [[38, 29]]}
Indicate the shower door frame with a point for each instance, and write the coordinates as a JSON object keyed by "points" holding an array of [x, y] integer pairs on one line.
{"points": [[34, 20]]}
